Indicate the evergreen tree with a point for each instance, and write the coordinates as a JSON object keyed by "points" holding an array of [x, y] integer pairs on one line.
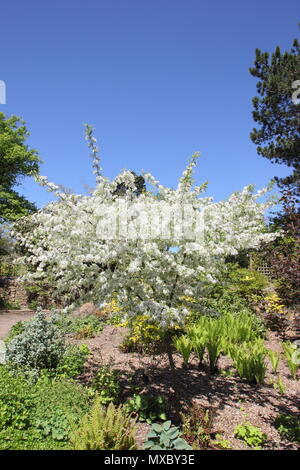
{"points": [[277, 110]]}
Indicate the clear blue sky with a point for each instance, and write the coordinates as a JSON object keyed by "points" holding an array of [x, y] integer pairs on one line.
{"points": [[158, 80]]}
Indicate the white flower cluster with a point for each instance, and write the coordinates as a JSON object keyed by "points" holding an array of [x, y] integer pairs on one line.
{"points": [[148, 275]]}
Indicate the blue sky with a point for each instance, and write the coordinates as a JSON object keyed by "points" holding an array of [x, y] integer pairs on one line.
{"points": [[157, 79]]}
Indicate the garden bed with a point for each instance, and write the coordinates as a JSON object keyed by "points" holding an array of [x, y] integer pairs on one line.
{"points": [[231, 400]]}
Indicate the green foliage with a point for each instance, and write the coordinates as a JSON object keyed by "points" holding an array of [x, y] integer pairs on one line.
{"points": [[249, 360], [246, 282], [164, 437], [274, 358], [105, 429], [16, 161], [197, 427], [291, 354], [146, 407], [82, 327], [214, 342], [106, 382], [250, 434], [279, 385], [288, 426], [39, 346], [72, 363], [222, 443], [33, 413], [8, 305], [217, 335], [184, 346], [57, 403]]}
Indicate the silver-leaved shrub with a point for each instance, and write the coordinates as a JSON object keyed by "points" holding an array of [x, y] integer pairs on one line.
{"points": [[39, 346]]}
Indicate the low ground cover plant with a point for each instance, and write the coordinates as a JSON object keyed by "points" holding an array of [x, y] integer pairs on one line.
{"points": [[147, 407], [37, 415], [251, 435], [197, 425], [165, 437], [288, 426]]}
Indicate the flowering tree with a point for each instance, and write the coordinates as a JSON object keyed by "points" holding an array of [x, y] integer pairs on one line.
{"points": [[149, 250]]}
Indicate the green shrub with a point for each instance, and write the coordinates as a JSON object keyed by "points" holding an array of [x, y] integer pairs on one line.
{"points": [[105, 429], [250, 434], [165, 437], [288, 426], [146, 407], [72, 363], [39, 346], [106, 382], [249, 360]]}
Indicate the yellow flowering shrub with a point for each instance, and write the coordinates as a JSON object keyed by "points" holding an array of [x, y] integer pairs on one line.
{"points": [[274, 304]]}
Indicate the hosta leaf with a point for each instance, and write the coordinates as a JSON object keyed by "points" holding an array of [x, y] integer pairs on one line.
{"points": [[149, 444], [166, 425], [157, 427], [181, 444]]}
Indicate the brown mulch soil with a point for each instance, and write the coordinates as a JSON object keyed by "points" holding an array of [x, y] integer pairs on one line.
{"points": [[230, 399]]}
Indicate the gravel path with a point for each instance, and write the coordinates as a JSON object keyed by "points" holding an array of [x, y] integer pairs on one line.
{"points": [[9, 317]]}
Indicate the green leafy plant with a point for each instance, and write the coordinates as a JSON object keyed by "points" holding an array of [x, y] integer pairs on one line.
{"points": [[105, 429], [56, 405], [274, 358], [86, 327], [279, 385], [289, 350], [165, 437], [221, 442], [36, 415], [197, 335], [249, 360], [288, 426], [250, 434], [73, 360], [146, 407], [106, 382], [184, 346]]}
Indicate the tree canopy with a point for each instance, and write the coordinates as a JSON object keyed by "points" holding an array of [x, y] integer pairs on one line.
{"points": [[16, 161]]}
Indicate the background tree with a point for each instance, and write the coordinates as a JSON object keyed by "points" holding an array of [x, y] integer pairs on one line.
{"points": [[278, 137], [16, 161]]}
